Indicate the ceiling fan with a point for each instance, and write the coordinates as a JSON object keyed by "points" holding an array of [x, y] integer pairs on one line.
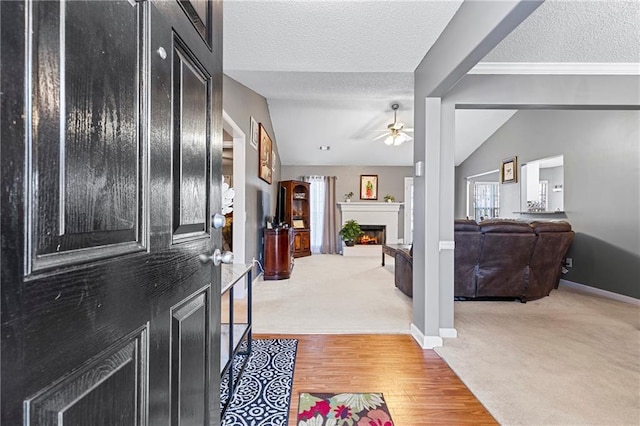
{"points": [[396, 133]]}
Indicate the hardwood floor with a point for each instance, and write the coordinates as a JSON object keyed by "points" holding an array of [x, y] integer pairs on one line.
{"points": [[418, 386]]}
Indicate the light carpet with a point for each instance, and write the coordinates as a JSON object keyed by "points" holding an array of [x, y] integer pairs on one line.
{"points": [[568, 359], [332, 294]]}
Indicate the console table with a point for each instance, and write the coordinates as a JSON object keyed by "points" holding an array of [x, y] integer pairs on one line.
{"points": [[235, 329], [391, 249]]}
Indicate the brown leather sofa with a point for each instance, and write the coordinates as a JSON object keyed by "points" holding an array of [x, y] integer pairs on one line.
{"points": [[404, 271], [501, 258]]}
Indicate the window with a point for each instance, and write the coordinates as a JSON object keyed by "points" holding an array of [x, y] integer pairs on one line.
{"points": [[486, 200], [317, 189]]}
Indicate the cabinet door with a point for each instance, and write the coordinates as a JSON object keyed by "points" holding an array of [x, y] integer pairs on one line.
{"points": [[297, 242], [306, 241]]}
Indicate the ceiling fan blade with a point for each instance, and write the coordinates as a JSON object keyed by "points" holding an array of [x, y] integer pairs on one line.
{"points": [[381, 136], [408, 129]]}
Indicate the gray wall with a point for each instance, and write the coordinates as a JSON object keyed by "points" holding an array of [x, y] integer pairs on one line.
{"points": [[241, 103], [390, 181], [601, 186]]}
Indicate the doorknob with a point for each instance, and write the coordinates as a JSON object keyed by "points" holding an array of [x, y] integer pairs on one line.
{"points": [[217, 257], [218, 220]]}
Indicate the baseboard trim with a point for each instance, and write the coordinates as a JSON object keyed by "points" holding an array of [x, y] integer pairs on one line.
{"points": [[600, 292], [448, 332], [425, 342]]}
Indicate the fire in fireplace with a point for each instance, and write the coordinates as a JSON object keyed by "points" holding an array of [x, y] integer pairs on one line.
{"points": [[373, 235]]}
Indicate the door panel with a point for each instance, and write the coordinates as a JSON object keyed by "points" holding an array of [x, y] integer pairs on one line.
{"points": [[190, 144], [84, 150], [189, 366], [118, 376], [101, 305], [198, 13]]}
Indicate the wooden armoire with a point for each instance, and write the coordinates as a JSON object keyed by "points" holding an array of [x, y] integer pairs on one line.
{"points": [[297, 215]]}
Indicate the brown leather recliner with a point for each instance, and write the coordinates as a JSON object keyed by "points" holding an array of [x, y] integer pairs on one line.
{"points": [[509, 258], [552, 242], [504, 258], [467, 239]]}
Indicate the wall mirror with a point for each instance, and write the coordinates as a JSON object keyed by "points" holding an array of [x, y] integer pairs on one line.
{"points": [[542, 185]]}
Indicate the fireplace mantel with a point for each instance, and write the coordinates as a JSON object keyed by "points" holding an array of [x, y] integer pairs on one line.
{"points": [[355, 206], [373, 213]]}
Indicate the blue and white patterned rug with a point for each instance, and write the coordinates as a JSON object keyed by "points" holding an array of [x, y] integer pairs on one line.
{"points": [[263, 394]]}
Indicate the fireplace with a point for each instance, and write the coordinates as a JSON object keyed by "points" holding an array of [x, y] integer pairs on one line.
{"points": [[373, 235], [378, 220]]}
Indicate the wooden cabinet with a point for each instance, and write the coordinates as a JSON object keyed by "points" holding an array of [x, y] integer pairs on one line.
{"points": [[297, 215], [278, 261], [301, 243]]}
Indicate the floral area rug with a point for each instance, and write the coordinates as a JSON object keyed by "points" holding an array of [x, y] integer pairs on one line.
{"points": [[343, 409], [263, 393]]}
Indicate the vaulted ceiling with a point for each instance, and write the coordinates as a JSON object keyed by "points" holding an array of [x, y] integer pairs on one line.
{"points": [[330, 70]]}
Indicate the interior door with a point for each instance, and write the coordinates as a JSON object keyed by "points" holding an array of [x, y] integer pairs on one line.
{"points": [[111, 166]]}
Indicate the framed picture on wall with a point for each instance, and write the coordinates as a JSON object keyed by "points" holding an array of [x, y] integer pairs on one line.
{"points": [[509, 170], [368, 187], [254, 134], [264, 156]]}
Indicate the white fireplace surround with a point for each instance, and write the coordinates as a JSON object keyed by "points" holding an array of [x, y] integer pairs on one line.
{"points": [[373, 213]]}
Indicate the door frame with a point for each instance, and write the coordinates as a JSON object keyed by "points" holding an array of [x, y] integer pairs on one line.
{"points": [[239, 184], [407, 236]]}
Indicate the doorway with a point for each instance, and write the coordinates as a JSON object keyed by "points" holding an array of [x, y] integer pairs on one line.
{"points": [[237, 151]]}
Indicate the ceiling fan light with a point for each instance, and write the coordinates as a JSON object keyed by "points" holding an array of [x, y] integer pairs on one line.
{"points": [[389, 140], [399, 139]]}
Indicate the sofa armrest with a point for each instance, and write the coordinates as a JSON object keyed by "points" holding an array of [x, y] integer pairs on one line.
{"points": [[404, 272]]}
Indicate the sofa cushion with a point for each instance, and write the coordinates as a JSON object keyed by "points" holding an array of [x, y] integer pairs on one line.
{"points": [[468, 225], [505, 226], [550, 226]]}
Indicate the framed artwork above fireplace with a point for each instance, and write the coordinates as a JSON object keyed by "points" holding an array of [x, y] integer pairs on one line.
{"points": [[368, 187]]}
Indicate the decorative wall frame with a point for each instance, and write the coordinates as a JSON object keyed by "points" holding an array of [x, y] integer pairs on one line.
{"points": [[368, 187], [509, 170], [255, 137], [264, 156]]}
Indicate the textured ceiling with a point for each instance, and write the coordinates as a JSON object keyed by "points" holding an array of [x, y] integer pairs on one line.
{"points": [[332, 36], [575, 31], [331, 69]]}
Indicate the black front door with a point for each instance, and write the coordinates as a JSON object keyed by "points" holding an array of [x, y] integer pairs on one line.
{"points": [[111, 166]]}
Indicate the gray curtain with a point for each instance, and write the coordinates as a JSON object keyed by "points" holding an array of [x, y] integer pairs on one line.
{"points": [[331, 228]]}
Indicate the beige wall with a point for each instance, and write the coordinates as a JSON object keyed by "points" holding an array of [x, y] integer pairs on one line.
{"points": [[390, 181]]}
